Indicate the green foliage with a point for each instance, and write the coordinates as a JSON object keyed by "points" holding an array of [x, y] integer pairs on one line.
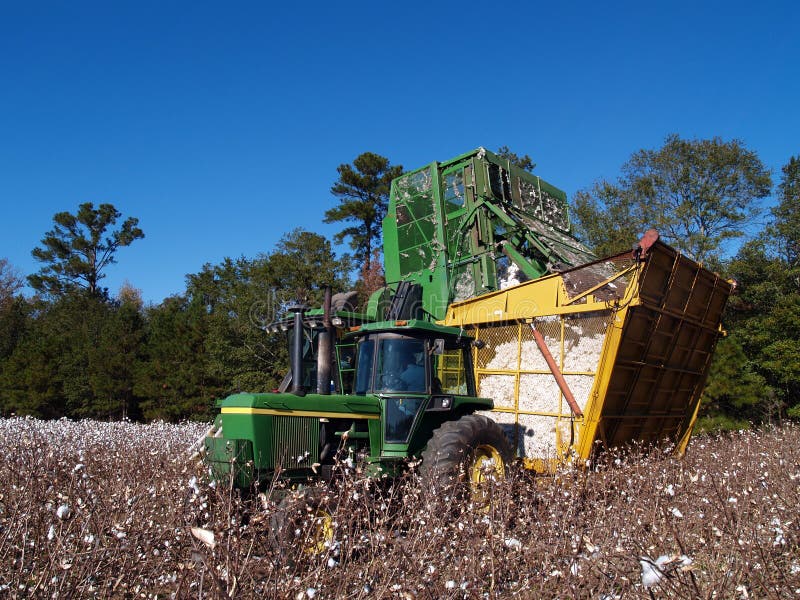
{"points": [[74, 359], [720, 422], [523, 162], [785, 229], [14, 317], [30, 383], [237, 302], [80, 354], [697, 194], [172, 379], [605, 219], [774, 340], [765, 314], [363, 190], [213, 342], [302, 264], [113, 361], [761, 281], [734, 390], [13, 310], [77, 250]]}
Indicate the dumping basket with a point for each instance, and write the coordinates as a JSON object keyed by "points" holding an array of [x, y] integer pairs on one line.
{"points": [[631, 339]]}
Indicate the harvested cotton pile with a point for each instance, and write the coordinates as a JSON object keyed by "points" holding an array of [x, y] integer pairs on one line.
{"points": [[499, 388], [539, 436], [584, 353], [509, 371]]}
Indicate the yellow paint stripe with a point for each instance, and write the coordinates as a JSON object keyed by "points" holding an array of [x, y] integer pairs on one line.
{"points": [[243, 410]]}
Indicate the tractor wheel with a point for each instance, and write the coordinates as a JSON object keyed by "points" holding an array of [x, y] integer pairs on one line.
{"points": [[472, 450], [304, 520]]}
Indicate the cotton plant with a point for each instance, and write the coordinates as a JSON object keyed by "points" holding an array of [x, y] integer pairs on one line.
{"points": [[646, 525]]}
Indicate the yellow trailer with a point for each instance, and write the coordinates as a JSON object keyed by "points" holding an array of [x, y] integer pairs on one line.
{"points": [[629, 341]]}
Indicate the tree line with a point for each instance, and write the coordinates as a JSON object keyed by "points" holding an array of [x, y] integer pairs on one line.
{"points": [[82, 354], [75, 350]]}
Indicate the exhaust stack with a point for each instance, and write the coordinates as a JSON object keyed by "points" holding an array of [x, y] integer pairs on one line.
{"points": [[325, 347], [297, 349]]}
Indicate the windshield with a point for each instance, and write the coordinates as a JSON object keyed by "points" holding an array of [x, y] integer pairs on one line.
{"points": [[401, 366]]}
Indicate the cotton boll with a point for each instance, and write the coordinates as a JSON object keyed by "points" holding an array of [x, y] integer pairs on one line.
{"points": [[651, 570], [513, 543]]}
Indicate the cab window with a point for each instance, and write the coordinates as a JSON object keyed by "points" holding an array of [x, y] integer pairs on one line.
{"points": [[364, 364], [400, 413], [401, 366]]}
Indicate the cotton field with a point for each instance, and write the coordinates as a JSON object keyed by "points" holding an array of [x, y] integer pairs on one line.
{"points": [[120, 510], [94, 507]]}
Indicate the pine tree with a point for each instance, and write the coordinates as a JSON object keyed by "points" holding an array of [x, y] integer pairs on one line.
{"points": [[363, 189], [77, 250]]}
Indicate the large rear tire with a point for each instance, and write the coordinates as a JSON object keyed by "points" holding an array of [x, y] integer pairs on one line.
{"points": [[472, 450]]}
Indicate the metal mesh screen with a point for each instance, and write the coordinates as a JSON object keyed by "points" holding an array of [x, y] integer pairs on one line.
{"points": [[450, 373], [416, 230], [512, 370]]}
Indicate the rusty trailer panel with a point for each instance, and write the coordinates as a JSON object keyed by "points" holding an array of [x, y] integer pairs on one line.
{"points": [[664, 351]]}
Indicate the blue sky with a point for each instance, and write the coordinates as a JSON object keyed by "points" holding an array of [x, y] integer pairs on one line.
{"points": [[220, 125]]}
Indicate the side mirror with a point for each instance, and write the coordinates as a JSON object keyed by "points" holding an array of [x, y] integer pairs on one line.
{"points": [[438, 347]]}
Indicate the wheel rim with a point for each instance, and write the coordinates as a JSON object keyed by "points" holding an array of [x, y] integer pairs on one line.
{"points": [[320, 533], [487, 467]]}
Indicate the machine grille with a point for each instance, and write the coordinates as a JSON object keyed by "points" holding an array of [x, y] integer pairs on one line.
{"points": [[295, 442]]}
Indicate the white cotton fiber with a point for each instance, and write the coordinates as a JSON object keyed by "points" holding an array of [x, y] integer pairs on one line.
{"points": [[510, 366]]}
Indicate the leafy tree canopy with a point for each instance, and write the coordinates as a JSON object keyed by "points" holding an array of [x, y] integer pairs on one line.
{"points": [[523, 162], [605, 219], [173, 380], [785, 229], [768, 268], [765, 313], [697, 193], [77, 250], [303, 263], [73, 358], [734, 389], [363, 192]]}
